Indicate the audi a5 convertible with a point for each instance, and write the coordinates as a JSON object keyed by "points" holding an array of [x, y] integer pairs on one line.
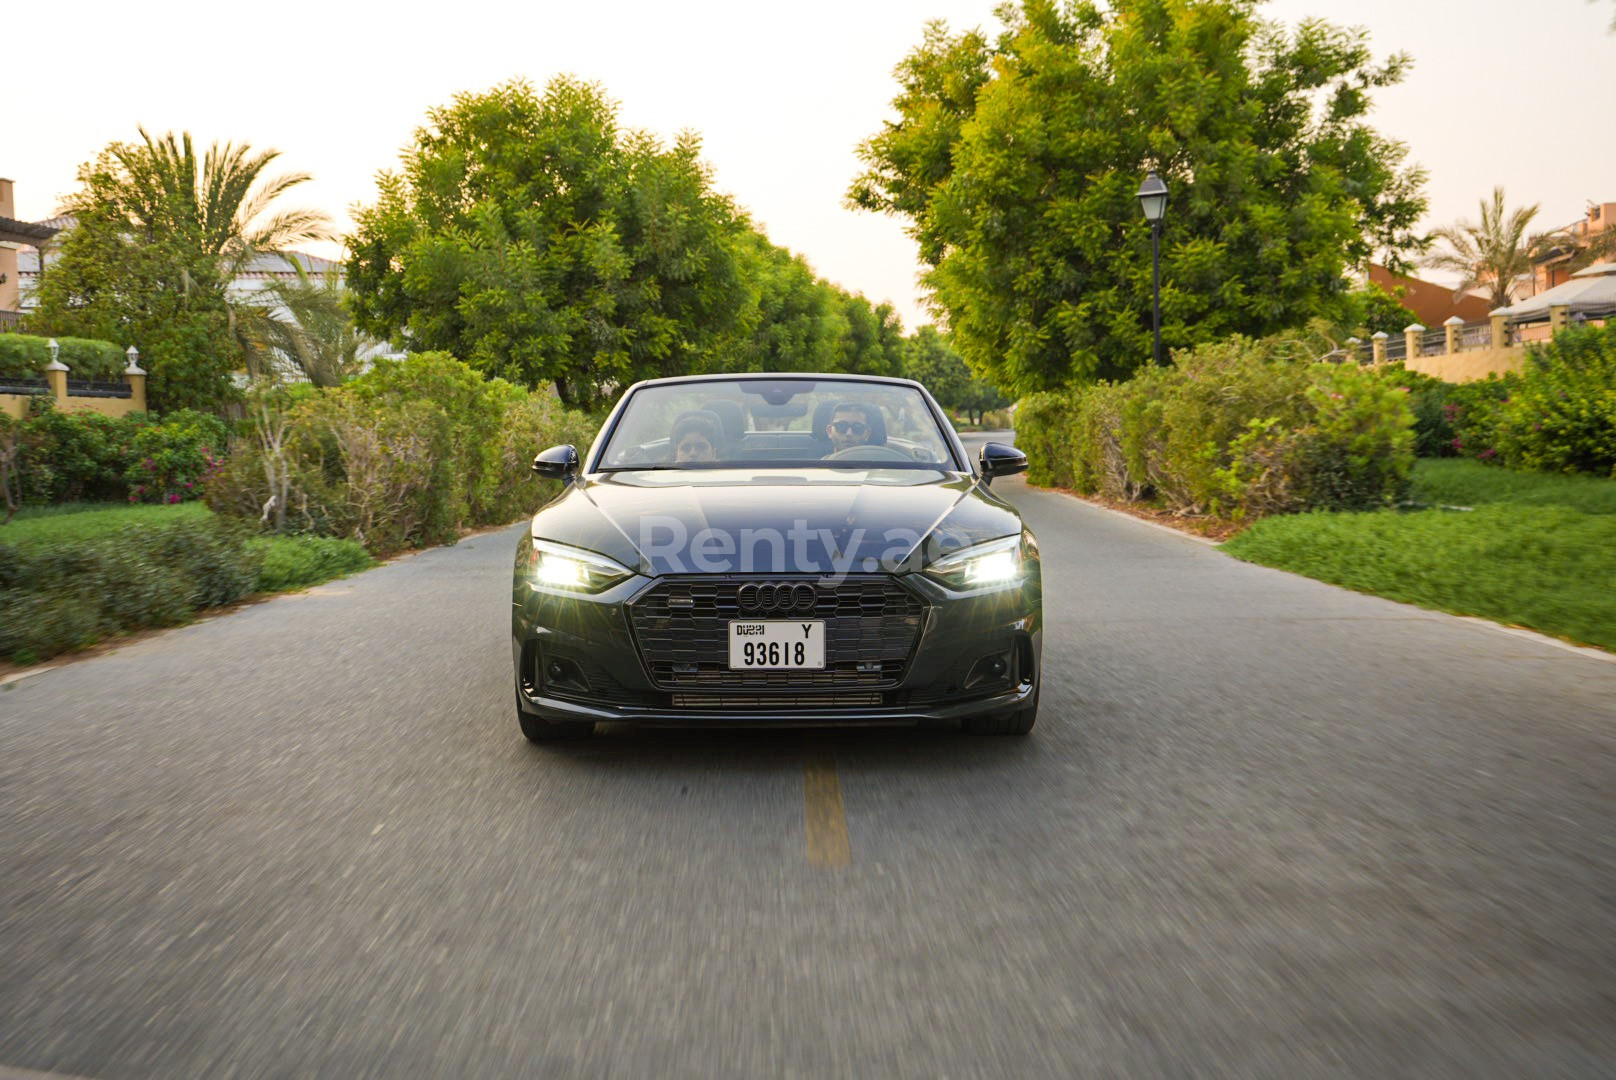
{"points": [[776, 550]]}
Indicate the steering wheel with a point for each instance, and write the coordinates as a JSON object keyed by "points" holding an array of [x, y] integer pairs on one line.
{"points": [[879, 452]]}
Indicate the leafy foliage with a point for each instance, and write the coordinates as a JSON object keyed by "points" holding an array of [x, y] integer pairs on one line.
{"points": [[931, 361], [72, 456], [296, 562], [1239, 429], [304, 330], [1493, 252], [24, 356], [1016, 164], [405, 455], [1560, 415], [1372, 310], [69, 593], [158, 235], [538, 240]]}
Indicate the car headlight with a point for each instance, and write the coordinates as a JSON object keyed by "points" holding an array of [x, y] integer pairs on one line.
{"points": [[556, 566], [996, 564]]}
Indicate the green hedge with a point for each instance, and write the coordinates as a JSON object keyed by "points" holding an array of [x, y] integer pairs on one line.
{"points": [[140, 457], [403, 456], [1238, 429], [1557, 415], [24, 356], [60, 596]]}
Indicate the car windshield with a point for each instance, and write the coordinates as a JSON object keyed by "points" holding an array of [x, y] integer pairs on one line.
{"points": [[776, 422]]}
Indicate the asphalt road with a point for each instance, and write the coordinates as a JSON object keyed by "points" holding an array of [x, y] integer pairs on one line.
{"points": [[1264, 828]]}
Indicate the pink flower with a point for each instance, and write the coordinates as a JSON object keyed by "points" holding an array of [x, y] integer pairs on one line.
{"points": [[173, 498]]}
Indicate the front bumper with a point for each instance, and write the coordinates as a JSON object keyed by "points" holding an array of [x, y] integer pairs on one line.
{"points": [[577, 658], [553, 708]]}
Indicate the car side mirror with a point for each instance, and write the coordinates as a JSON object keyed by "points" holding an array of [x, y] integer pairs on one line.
{"points": [[1001, 460], [557, 463]]}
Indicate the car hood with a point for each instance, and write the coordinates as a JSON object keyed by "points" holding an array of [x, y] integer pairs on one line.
{"points": [[819, 521]]}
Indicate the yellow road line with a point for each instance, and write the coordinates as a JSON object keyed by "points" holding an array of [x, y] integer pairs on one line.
{"points": [[823, 819]]}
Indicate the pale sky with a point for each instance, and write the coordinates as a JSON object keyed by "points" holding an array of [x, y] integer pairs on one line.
{"points": [[1510, 93]]}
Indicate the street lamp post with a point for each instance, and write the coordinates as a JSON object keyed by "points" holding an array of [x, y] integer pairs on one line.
{"points": [[1153, 201]]}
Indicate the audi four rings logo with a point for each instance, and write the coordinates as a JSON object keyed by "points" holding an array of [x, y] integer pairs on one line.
{"points": [[777, 598]]}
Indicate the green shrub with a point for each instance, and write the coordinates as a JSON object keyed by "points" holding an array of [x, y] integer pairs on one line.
{"points": [[406, 455], [1043, 433], [72, 456], [24, 356], [60, 596], [293, 562], [1428, 400], [173, 460], [1239, 429], [1560, 414]]}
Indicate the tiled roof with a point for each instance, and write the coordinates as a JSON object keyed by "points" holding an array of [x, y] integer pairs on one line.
{"points": [[24, 232]]}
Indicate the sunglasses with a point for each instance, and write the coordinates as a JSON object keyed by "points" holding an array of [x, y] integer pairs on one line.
{"points": [[695, 448], [850, 427]]}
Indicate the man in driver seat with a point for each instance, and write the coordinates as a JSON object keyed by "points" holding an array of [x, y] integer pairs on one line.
{"points": [[849, 427]]}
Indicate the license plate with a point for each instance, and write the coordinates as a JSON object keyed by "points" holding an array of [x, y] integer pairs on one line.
{"points": [[776, 643]]}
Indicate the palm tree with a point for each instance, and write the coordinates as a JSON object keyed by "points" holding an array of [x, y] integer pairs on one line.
{"points": [[1495, 252], [220, 207], [306, 324]]}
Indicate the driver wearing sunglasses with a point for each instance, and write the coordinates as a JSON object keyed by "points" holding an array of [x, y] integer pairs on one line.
{"points": [[849, 427]]}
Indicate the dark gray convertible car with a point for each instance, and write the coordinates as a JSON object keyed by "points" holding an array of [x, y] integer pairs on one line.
{"points": [[776, 550]]}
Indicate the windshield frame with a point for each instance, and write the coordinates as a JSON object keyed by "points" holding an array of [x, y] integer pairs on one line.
{"points": [[959, 461]]}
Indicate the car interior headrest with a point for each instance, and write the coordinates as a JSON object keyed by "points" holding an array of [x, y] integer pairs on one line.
{"points": [[731, 423]]}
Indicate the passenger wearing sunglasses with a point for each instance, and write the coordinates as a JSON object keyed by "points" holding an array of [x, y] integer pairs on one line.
{"points": [[849, 427]]}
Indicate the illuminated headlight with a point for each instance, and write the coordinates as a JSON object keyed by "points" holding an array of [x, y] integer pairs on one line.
{"points": [[555, 566], [982, 566]]}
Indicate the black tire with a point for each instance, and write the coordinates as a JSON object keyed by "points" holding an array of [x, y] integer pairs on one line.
{"points": [[1017, 721], [539, 730]]}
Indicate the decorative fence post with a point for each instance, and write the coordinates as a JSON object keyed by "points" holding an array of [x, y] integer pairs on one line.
{"points": [[1377, 346], [1352, 344], [1559, 318], [56, 375], [135, 376], [1411, 341], [1500, 321], [1452, 325]]}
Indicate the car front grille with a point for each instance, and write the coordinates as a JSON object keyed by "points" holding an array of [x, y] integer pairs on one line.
{"points": [[681, 626]]}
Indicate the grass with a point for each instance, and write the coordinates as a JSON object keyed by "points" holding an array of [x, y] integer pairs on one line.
{"points": [[1460, 482], [290, 562], [1536, 550], [85, 521]]}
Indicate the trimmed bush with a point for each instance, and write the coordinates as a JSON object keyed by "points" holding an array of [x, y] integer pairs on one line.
{"points": [[24, 356], [1238, 429], [65, 595]]}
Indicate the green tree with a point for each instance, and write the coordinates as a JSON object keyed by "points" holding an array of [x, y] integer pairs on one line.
{"points": [[1373, 310], [539, 241], [157, 238], [930, 360], [1494, 252], [305, 324], [792, 320], [1016, 164]]}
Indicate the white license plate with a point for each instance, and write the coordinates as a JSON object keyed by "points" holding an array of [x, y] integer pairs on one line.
{"points": [[776, 643]]}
